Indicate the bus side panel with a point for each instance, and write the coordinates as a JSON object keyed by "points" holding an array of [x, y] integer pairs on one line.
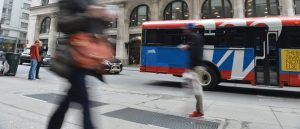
{"points": [[235, 64], [175, 59], [149, 57], [161, 59], [290, 67]]}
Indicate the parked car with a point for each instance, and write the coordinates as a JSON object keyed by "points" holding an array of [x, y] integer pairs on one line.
{"points": [[47, 60], [25, 56], [113, 65]]}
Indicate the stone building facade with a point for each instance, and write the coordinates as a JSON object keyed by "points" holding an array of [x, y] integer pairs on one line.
{"points": [[125, 32]]}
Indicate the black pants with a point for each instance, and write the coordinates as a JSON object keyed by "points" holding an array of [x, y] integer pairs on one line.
{"points": [[77, 93], [38, 70]]}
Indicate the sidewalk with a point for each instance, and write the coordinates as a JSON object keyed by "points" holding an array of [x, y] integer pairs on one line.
{"points": [[131, 68], [27, 105]]}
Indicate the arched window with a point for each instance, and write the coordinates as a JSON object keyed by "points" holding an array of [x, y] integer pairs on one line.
{"points": [[177, 10], [261, 8], [297, 6], [139, 15], [216, 9], [45, 2], [45, 26]]}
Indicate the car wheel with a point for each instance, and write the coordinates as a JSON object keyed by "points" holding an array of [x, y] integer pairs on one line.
{"points": [[117, 72]]}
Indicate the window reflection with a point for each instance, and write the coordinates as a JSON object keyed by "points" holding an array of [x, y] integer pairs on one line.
{"points": [[177, 10], [261, 8], [216, 9], [45, 26], [139, 15], [297, 6]]}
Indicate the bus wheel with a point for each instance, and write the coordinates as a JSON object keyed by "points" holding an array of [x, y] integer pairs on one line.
{"points": [[208, 77]]}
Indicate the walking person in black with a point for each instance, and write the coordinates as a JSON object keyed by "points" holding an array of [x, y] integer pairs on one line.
{"points": [[83, 16], [195, 43]]}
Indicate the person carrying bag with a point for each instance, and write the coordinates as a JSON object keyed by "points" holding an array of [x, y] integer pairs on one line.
{"points": [[84, 23]]}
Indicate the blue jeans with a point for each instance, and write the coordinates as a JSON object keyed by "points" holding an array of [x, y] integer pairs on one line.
{"points": [[33, 64]]}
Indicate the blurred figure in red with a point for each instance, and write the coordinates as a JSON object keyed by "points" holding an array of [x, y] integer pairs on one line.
{"points": [[84, 23], [41, 52], [35, 58]]}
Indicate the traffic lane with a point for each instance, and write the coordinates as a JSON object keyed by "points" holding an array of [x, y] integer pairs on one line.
{"points": [[150, 83], [167, 84]]}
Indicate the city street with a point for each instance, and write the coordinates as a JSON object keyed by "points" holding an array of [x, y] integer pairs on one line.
{"points": [[134, 100]]}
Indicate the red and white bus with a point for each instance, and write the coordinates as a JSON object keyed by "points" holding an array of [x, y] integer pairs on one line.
{"points": [[261, 51]]}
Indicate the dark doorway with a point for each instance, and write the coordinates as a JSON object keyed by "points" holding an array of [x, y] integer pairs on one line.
{"points": [[134, 46]]}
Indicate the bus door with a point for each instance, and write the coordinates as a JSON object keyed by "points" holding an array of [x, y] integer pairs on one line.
{"points": [[267, 59]]}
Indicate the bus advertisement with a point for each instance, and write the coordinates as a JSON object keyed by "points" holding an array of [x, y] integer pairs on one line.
{"points": [[260, 51]]}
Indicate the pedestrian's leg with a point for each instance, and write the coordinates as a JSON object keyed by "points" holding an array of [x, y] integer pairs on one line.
{"points": [[81, 96], [199, 104], [57, 118], [32, 69], [86, 112], [37, 70]]}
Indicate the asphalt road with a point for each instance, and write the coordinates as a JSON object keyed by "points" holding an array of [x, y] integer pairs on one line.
{"points": [[134, 80]]}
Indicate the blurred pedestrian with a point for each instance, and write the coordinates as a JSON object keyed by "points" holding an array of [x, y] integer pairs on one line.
{"points": [[35, 58], [194, 44], [41, 52], [84, 22]]}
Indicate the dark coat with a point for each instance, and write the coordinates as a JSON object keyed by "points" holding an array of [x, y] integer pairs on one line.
{"points": [[196, 43], [72, 18]]}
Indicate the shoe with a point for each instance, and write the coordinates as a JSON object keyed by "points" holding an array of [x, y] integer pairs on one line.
{"points": [[38, 78], [196, 114]]}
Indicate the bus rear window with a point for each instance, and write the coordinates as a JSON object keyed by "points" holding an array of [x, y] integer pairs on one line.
{"points": [[163, 37]]}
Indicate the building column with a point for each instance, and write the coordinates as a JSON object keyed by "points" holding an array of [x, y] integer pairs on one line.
{"points": [[122, 35], [287, 7], [52, 35], [238, 7], [33, 29], [154, 10], [196, 11]]}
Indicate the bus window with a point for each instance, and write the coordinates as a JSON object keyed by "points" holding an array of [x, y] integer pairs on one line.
{"points": [[294, 37], [238, 37], [221, 38], [209, 40], [164, 37]]}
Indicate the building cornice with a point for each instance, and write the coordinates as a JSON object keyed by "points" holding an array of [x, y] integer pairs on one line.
{"points": [[45, 9]]}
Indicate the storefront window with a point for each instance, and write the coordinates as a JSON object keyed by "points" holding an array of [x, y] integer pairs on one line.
{"points": [[45, 26], [261, 8], [217, 9], [177, 10], [8, 44], [139, 15], [297, 6], [45, 2]]}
